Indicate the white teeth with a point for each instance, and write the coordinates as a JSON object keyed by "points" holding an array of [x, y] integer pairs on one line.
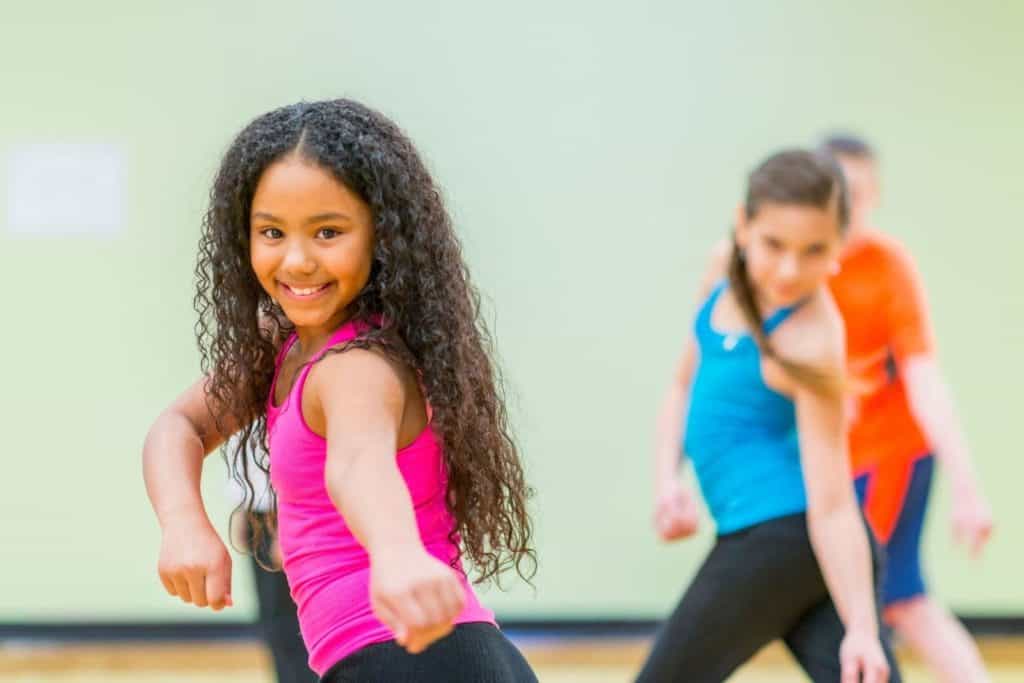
{"points": [[306, 291]]}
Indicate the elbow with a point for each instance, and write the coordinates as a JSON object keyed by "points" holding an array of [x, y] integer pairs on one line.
{"points": [[823, 507], [172, 429], [342, 474], [335, 475], [924, 382], [163, 424]]}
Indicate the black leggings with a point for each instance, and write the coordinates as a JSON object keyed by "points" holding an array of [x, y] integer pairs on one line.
{"points": [[471, 653], [756, 585]]}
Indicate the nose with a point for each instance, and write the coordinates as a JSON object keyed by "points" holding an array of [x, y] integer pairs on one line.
{"points": [[298, 261], [788, 267]]}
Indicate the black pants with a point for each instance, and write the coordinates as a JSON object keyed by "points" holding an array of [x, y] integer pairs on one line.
{"points": [[471, 653], [278, 623], [756, 585]]}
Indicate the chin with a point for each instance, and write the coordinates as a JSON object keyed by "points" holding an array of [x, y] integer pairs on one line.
{"points": [[788, 297], [307, 318]]}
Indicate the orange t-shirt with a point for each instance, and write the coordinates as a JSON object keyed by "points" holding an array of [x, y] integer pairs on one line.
{"points": [[879, 293]]}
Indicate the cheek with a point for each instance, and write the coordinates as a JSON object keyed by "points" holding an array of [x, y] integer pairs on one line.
{"points": [[353, 266], [761, 263], [815, 269], [262, 261]]}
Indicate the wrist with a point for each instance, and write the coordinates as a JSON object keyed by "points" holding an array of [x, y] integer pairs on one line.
{"points": [[964, 486], [666, 487], [183, 516], [394, 549], [863, 625]]}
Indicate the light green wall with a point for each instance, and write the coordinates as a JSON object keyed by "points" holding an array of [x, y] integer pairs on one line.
{"points": [[590, 156]]}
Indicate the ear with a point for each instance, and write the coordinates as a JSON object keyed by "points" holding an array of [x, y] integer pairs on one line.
{"points": [[742, 223]]}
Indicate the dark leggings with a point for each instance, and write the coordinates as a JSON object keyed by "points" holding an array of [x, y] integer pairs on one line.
{"points": [[756, 585], [471, 653]]}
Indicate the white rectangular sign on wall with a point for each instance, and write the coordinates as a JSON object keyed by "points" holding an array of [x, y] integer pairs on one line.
{"points": [[64, 189]]}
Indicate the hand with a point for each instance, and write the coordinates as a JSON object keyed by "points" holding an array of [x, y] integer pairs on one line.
{"points": [[972, 519], [415, 595], [675, 513], [862, 658], [195, 565]]}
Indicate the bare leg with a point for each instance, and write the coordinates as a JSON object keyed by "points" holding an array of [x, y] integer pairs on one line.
{"points": [[939, 639]]}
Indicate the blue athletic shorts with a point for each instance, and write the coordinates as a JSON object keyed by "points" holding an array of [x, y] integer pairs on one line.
{"points": [[903, 579]]}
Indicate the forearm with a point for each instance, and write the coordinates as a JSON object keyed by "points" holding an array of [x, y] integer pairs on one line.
{"points": [[172, 464], [931, 403], [368, 490], [669, 435], [841, 546]]}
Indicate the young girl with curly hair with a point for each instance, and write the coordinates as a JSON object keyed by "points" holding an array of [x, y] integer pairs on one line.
{"points": [[337, 325]]}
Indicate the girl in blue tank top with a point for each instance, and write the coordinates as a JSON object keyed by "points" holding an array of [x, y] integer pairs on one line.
{"points": [[761, 388]]}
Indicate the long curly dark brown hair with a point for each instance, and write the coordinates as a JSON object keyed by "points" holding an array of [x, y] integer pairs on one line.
{"points": [[419, 294]]}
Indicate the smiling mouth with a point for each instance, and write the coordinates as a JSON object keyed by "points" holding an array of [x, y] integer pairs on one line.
{"points": [[304, 292]]}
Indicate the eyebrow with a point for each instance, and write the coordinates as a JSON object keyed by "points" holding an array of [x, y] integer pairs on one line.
{"points": [[318, 218], [329, 216]]}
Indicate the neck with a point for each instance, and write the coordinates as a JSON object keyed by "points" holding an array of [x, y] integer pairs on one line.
{"points": [[769, 308], [314, 338]]}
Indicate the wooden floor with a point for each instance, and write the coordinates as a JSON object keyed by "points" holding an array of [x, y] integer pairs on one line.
{"points": [[555, 660]]}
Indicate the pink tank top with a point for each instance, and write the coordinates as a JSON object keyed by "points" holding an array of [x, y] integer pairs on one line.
{"points": [[327, 569]]}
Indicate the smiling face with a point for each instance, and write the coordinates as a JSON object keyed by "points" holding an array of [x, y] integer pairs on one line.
{"points": [[311, 243], [790, 250]]}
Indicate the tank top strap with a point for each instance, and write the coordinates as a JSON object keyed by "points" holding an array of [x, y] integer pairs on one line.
{"points": [[282, 353], [782, 315], [347, 332], [704, 328]]}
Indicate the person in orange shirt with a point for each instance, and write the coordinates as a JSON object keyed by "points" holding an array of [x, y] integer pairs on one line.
{"points": [[902, 421]]}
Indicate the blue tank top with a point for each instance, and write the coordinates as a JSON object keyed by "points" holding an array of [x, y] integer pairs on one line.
{"points": [[740, 434]]}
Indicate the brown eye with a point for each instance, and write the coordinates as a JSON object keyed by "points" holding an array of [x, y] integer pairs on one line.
{"points": [[327, 233]]}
